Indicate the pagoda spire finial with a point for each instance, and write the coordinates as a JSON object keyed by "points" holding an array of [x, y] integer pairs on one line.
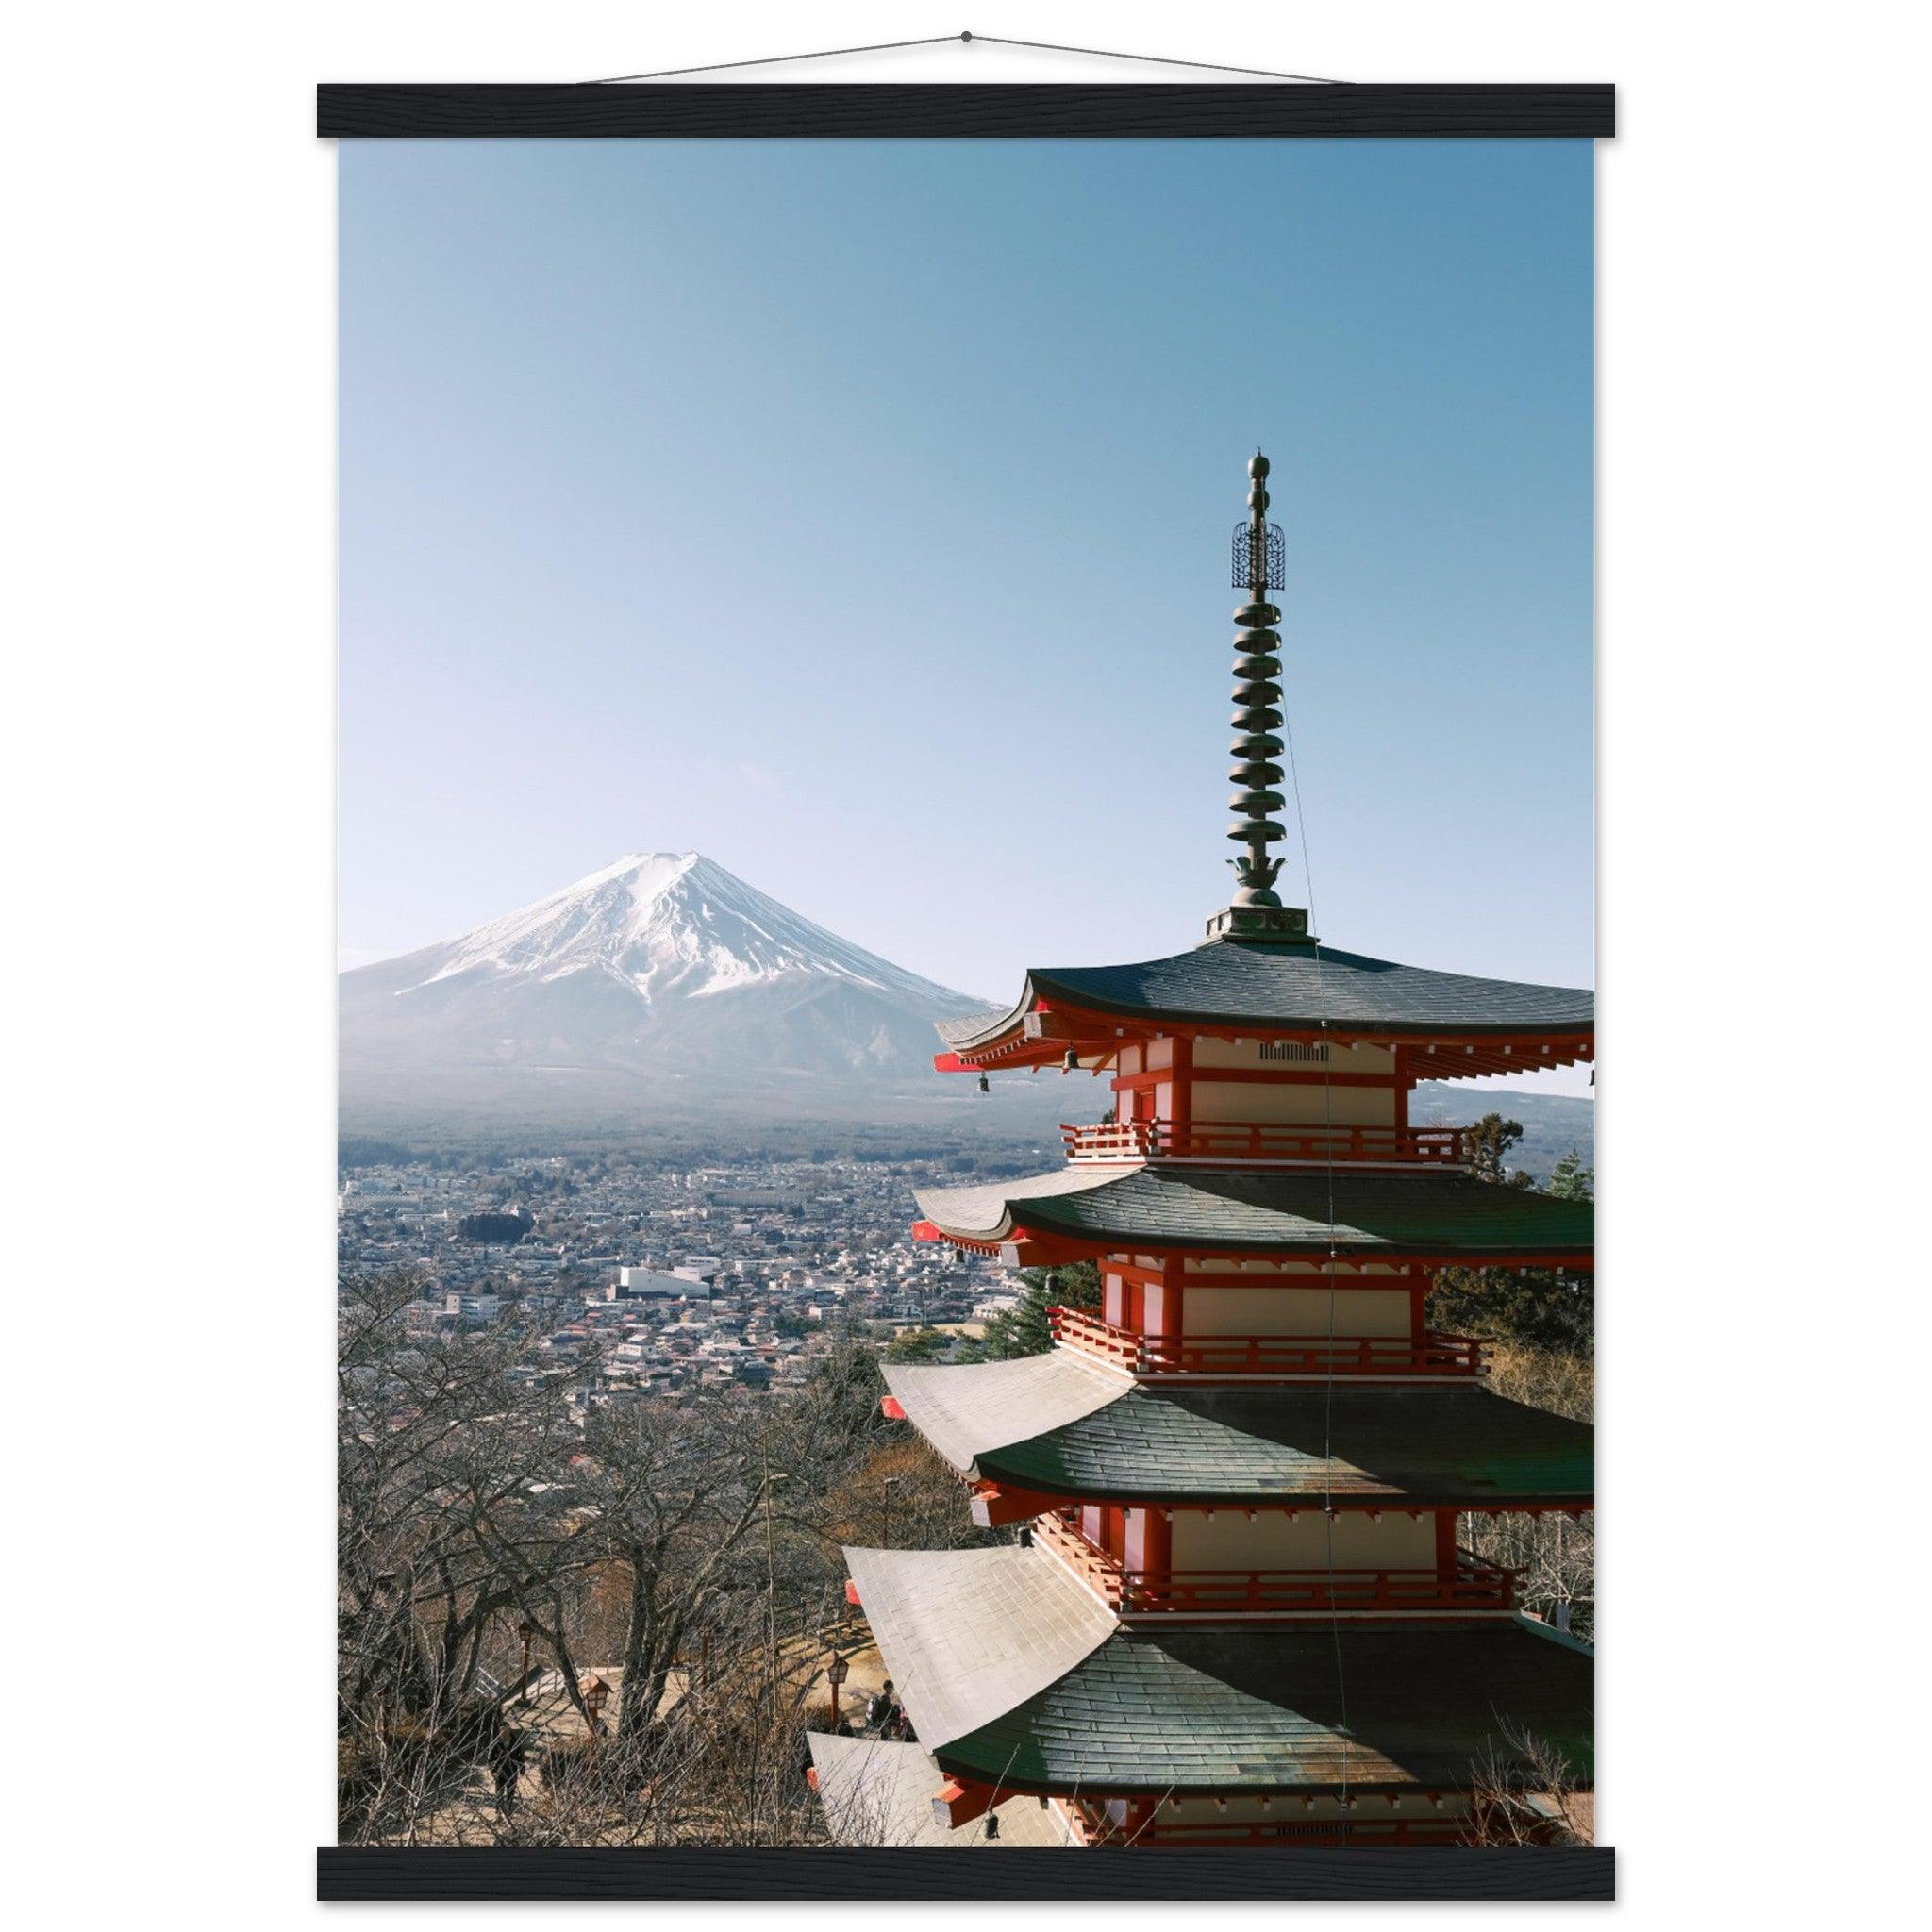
{"points": [[1260, 564]]}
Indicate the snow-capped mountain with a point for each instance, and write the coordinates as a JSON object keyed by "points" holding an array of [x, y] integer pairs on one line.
{"points": [[668, 925], [661, 978]]}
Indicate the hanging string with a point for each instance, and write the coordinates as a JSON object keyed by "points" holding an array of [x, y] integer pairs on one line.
{"points": [[1157, 60], [962, 40], [770, 60], [1300, 830], [1328, 1169], [1328, 1399]]}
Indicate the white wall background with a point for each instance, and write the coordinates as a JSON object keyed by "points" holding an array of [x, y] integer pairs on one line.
{"points": [[168, 785]]}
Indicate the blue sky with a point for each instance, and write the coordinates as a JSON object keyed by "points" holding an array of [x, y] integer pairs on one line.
{"points": [[858, 513]]}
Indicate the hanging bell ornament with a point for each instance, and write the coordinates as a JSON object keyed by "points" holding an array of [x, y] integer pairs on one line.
{"points": [[985, 1085]]}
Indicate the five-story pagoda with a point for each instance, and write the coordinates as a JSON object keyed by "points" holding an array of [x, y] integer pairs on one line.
{"points": [[1238, 1610]]}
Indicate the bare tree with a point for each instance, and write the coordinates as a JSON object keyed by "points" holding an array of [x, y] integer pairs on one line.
{"points": [[499, 1503], [1526, 1792], [1555, 1552]]}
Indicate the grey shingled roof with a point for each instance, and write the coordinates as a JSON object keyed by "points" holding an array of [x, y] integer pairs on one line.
{"points": [[877, 1792], [1282, 1210], [1293, 985], [1304, 1707], [1244, 1444], [963, 1411], [968, 1634]]}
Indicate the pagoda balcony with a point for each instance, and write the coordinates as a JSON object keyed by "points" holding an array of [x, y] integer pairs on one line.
{"points": [[1473, 1586], [1092, 1827], [1236, 1143], [1434, 1355]]}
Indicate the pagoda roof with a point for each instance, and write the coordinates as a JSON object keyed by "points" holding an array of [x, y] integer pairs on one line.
{"points": [[969, 1634], [963, 1411], [1268, 1210], [1005, 1683], [1315, 1706], [1049, 1423], [1309, 1443], [1289, 988], [876, 1792]]}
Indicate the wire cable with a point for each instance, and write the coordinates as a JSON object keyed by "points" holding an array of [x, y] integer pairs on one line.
{"points": [[962, 40], [1329, 1267], [1157, 60], [769, 61]]}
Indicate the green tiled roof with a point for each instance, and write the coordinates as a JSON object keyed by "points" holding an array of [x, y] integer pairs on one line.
{"points": [[1293, 985], [1215, 1709], [1288, 1211], [1244, 1444]]}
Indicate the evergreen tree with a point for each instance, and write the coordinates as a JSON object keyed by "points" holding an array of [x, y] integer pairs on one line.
{"points": [[1543, 1307], [1490, 1142], [1569, 1180], [917, 1345], [1024, 1329]]}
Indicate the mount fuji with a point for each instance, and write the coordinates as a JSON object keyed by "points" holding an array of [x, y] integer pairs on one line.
{"points": [[662, 983]]}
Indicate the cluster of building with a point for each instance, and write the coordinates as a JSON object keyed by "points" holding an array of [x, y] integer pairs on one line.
{"points": [[672, 1279]]}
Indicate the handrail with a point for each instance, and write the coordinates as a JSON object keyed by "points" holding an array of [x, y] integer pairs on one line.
{"points": [[1092, 1827], [1434, 1354], [1473, 1584], [1243, 1140]]}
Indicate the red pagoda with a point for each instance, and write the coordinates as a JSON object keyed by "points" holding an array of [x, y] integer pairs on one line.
{"points": [[1235, 1609]]}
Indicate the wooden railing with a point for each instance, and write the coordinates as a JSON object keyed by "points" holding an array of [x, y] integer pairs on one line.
{"points": [[1475, 1583], [1435, 1354], [1092, 1827], [1264, 1141]]}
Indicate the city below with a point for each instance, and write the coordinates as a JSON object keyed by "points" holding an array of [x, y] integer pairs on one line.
{"points": [[717, 1276]]}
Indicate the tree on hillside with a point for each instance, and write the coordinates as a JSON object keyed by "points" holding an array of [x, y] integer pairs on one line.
{"points": [[671, 1495], [917, 1345], [1024, 1329], [1540, 1306], [1569, 1180], [502, 1507], [1490, 1142], [1545, 1321]]}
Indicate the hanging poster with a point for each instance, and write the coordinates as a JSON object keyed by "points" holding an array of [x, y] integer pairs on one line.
{"points": [[966, 1157]]}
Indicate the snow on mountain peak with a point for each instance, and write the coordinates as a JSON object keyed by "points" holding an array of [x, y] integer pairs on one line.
{"points": [[664, 924]]}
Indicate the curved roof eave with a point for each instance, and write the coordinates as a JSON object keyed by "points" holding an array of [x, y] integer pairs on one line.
{"points": [[976, 1029], [1354, 1706], [1258, 1210], [1302, 1444], [1292, 989], [965, 1409], [967, 1635]]}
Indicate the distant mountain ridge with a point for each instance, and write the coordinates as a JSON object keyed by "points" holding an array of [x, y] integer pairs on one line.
{"points": [[1553, 1125], [662, 981], [664, 989]]}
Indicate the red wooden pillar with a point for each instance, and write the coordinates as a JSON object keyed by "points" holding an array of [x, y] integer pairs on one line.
{"points": [[1404, 1081], [1418, 1308], [1445, 1544], [1182, 1111], [1157, 1548]]}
